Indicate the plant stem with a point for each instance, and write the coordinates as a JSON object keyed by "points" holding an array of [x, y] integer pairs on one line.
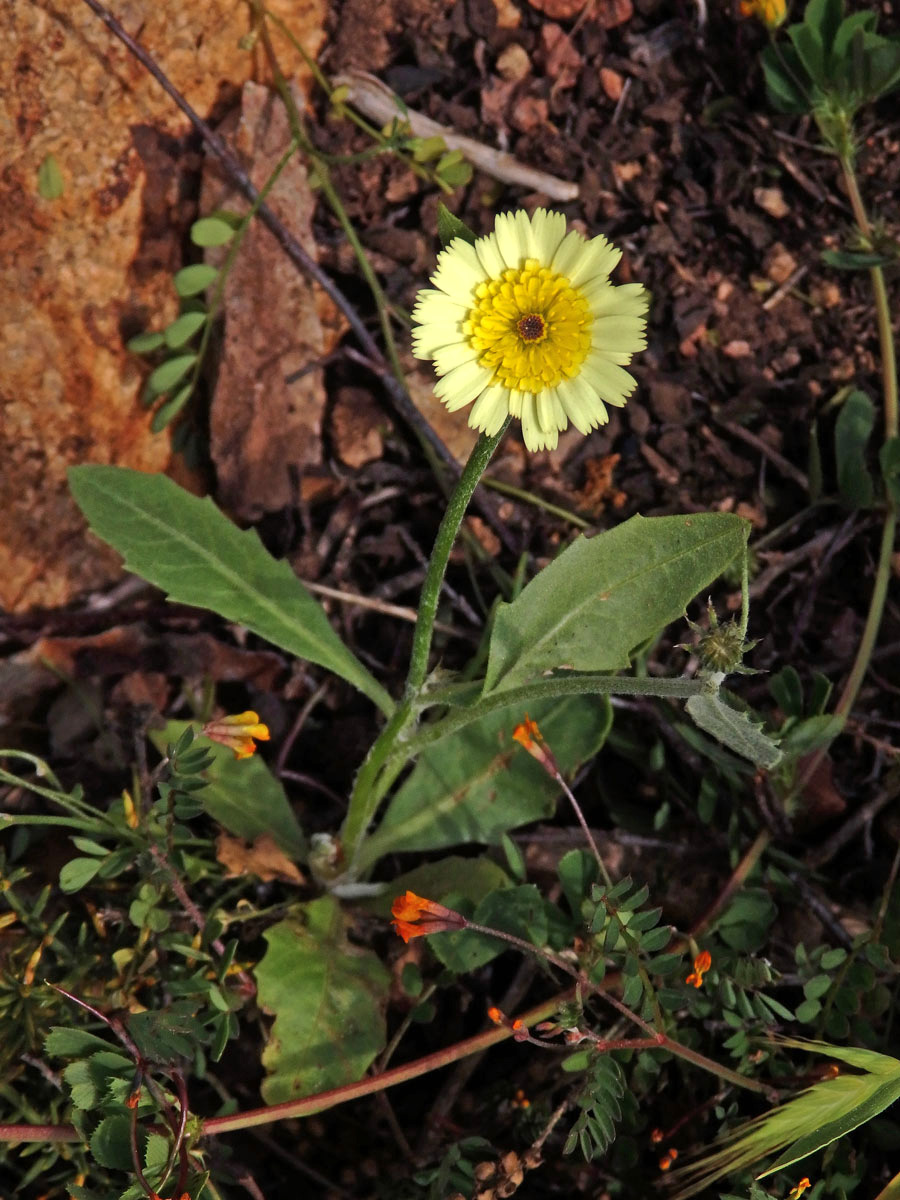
{"points": [[481, 455], [867, 642], [366, 795]]}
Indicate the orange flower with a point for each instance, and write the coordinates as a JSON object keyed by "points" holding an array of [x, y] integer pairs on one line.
{"points": [[668, 1158], [531, 739], [771, 12], [414, 917], [796, 1192], [702, 963], [237, 732]]}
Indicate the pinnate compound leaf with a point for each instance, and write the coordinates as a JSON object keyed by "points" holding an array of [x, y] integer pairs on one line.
{"points": [[187, 547], [328, 997], [605, 595], [242, 794], [476, 784], [733, 729]]}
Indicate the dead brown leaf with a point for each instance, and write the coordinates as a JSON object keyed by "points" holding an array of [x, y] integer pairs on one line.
{"points": [[264, 858], [356, 424]]}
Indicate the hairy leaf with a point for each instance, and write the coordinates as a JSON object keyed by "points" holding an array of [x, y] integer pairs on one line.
{"points": [[187, 547], [733, 729], [605, 595]]}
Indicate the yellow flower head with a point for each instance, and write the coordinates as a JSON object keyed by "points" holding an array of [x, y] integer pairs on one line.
{"points": [[237, 732], [525, 321], [771, 12]]}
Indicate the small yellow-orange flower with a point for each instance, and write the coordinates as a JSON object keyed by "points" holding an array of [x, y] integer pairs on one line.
{"points": [[668, 1158], [531, 739], [415, 916], [796, 1192], [771, 12], [237, 733], [702, 963]]}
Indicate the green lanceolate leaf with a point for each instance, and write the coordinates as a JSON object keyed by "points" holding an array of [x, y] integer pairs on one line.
{"points": [[477, 783], [733, 729], [606, 595], [328, 997], [187, 547], [806, 1123], [242, 794]]}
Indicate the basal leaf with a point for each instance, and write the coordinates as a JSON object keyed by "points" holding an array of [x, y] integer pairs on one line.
{"points": [[187, 547], [606, 595], [476, 784], [243, 795], [328, 997]]}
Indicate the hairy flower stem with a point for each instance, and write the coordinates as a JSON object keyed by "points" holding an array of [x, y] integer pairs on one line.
{"points": [[482, 453], [585, 828], [366, 795]]}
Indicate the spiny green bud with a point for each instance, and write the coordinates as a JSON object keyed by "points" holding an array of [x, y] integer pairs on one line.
{"points": [[721, 648]]}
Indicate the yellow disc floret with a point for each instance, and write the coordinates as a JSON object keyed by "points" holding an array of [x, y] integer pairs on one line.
{"points": [[530, 327]]}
